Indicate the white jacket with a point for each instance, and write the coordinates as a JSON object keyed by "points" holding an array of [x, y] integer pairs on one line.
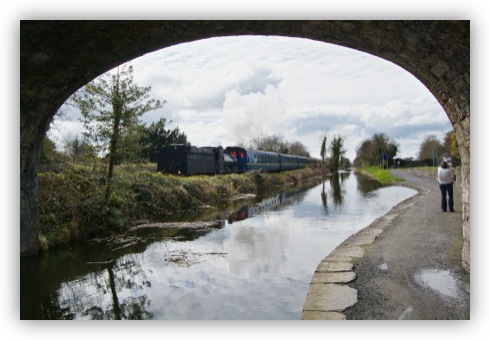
{"points": [[445, 176]]}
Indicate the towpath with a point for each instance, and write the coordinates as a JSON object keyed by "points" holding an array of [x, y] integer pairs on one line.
{"points": [[405, 265]]}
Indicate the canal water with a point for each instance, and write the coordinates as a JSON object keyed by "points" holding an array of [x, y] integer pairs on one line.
{"points": [[255, 262]]}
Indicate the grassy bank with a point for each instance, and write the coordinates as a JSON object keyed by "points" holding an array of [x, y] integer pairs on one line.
{"points": [[72, 206], [383, 176]]}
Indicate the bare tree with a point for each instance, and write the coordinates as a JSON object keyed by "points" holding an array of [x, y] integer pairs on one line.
{"points": [[273, 143], [298, 148], [78, 150], [276, 143], [431, 149]]}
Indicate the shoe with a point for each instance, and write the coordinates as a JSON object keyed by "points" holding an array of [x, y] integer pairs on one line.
{"points": [[452, 210]]}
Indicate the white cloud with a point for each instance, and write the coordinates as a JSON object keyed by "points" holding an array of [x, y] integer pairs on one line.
{"points": [[63, 131], [227, 90]]}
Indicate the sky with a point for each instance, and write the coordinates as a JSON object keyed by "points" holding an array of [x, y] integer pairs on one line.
{"points": [[224, 91]]}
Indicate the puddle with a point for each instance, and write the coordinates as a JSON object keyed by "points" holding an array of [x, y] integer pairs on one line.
{"points": [[439, 280]]}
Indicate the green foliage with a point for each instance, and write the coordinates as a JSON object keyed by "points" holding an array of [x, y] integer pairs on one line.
{"points": [[381, 175], [71, 207], [111, 106], [79, 151], [50, 157], [337, 152], [370, 151], [48, 151], [323, 150], [157, 136]]}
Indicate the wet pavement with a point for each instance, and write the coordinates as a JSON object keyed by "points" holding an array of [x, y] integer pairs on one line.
{"points": [[405, 265]]}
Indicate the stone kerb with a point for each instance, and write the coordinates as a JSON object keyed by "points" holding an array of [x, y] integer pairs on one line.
{"points": [[329, 295]]}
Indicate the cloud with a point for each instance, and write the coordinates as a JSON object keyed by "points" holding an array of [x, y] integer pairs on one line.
{"points": [[258, 82], [254, 105], [62, 131], [230, 89]]}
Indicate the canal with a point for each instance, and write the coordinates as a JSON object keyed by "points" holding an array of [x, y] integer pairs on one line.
{"points": [[252, 262]]}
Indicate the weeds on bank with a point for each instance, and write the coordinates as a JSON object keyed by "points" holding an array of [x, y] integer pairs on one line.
{"points": [[72, 206]]}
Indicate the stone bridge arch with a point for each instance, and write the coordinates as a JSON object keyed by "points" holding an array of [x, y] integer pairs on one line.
{"points": [[58, 57]]}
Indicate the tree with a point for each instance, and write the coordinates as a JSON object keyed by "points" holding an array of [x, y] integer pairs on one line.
{"points": [[374, 150], [272, 143], [430, 150], [78, 150], [323, 150], [111, 106], [156, 136], [298, 148], [364, 153], [337, 152], [345, 163], [129, 149], [276, 143], [49, 155], [384, 147], [451, 145]]}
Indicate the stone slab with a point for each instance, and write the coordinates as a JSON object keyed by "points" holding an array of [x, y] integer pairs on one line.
{"points": [[367, 237], [330, 298], [334, 266], [348, 250], [317, 315], [336, 277], [337, 259]]}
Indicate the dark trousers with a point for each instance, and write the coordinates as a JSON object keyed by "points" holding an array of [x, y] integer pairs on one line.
{"points": [[447, 196]]}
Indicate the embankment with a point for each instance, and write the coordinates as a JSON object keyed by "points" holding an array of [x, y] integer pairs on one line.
{"points": [[72, 206]]}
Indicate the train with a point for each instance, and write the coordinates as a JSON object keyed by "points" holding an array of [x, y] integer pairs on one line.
{"points": [[187, 160]]}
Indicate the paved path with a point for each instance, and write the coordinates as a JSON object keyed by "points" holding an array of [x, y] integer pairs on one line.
{"points": [[405, 265]]}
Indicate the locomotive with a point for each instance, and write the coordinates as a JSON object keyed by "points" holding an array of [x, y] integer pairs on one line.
{"points": [[189, 160]]}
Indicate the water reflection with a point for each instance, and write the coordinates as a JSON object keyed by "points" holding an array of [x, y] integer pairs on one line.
{"points": [[256, 264], [100, 294], [367, 186], [337, 190], [276, 202]]}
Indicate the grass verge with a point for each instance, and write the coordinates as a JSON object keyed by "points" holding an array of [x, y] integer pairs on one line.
{"points": [[72, 206], [383, 176]]}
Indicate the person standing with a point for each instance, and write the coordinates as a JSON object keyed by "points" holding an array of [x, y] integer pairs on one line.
{"points": [[446, 178]]}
